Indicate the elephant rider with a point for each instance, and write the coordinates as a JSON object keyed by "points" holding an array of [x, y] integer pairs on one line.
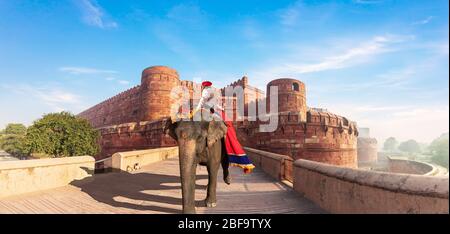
{"points": [[208, 101], [236, 153]]}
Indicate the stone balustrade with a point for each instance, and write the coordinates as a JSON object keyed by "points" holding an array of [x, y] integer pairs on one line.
{"points": [[133, 160], [278, 166], [23, 176], [346, 190]]}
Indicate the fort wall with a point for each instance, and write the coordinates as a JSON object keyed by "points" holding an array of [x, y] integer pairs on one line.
{"points": [[119, 109]]}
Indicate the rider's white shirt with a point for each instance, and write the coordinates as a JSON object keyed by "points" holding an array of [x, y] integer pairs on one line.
{"points": [[209, 100]]}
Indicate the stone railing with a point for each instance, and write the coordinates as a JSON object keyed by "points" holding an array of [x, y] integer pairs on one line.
{"points": [[278, 166], [406, 166], [345, 190], [133, 160], [22, 176]]}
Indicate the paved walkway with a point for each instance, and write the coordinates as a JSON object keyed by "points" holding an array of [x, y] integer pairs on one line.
{"points": [[156, 189]]}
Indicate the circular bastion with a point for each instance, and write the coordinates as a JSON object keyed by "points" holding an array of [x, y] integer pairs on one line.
{"points": [[291, 96], [157, 83]]}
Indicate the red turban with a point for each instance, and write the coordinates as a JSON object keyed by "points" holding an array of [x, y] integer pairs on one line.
{"points": [[206, 83]]}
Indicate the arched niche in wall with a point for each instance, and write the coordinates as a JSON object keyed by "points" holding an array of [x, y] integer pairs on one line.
{"points": [[295, 87]]}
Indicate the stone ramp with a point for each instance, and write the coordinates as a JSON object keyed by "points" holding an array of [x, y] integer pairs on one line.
{"points": [[156, 189]]}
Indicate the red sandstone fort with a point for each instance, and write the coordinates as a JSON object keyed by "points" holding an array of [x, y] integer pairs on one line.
{"points": [[134, 120]]}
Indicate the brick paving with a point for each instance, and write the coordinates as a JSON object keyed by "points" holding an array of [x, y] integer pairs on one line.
{"points": [[156, 189]]}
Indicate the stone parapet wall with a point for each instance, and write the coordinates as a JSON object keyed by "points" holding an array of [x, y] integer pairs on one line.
{"points": [[276, 165], [410, 167], [346, 190], [133, 160], [23, 176]]}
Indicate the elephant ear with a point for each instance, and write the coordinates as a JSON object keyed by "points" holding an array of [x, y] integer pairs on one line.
{"points": [[216, 131], [169, 128]]}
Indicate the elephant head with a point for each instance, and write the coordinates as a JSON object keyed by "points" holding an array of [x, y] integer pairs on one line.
{"points": [[200, 134], [199, 142]]}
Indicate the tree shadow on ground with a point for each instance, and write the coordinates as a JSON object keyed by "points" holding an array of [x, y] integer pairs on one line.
{"points": [[106, 188]]}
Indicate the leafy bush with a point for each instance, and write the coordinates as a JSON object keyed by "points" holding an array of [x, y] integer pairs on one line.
{"points": [[61, 135], [11, 139], [390, 144], [410, 146], [439, 150]]}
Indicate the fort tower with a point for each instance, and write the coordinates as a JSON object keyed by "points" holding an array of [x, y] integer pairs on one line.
{"points": [[156, 84], [291, 96]]}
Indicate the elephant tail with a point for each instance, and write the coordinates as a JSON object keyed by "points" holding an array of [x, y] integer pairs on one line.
{"points": [[225, 165]]}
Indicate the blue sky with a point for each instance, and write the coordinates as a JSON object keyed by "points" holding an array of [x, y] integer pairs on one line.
{"points": [[381, 63]]}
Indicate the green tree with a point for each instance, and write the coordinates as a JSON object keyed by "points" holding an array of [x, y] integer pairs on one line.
{"points": [[390, 144], [15, 128], [61, 135], [439, 150], [11, 139], [12, 144], [409, 146]]}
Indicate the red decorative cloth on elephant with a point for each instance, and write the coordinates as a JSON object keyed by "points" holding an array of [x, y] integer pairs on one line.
{"points": [[236, 154]]}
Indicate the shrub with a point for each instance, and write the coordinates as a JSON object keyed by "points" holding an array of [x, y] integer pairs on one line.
{"points": [[61, 135]]}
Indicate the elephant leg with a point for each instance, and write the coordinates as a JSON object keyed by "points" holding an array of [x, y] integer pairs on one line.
{"points": [[213, 169], [188, 168]]}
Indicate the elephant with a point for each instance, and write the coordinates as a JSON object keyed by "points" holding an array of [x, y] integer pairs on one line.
{"points": [[199, 142]]}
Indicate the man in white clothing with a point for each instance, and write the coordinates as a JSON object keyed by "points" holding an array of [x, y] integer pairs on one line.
{"points": [[208, 101]]}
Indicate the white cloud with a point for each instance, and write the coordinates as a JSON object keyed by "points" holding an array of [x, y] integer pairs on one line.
{"points": [[370, 108], [110, 78], [375, 46], [348, 57], [188, 14], [169, 34], [394, 79], [28, 102], [123, 82], [94, 15], [419, 122], [250, 30], [56, 98], [424, 21], [85, 70], [290, 15]]}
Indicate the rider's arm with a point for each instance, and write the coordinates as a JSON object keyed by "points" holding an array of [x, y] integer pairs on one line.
{"points": [[203, 99]]}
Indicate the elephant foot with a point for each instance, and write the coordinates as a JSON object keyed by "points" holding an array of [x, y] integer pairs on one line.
{"points": [[227, 180], [189, 211], [210, 204]]}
